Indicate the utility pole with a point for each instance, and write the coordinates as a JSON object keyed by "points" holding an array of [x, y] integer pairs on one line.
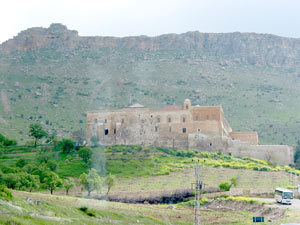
{"points": [[198, 188]]}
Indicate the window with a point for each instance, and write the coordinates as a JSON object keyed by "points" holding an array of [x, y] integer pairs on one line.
{"points": [[187, 106], [170, 129], [183, 119], [105, 121], [115, 131], [156, 128], [183, 130], [198, 129], [214, 117], [158, 119], [106, 131], [95, 121], [207, 117], [122, 120], [197, 117], [169, 120]]}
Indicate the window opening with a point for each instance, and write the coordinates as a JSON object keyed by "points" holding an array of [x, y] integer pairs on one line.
{"points": [[106, 131], [183, 130]]}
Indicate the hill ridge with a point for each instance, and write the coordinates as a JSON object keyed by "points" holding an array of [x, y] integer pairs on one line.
{"points": [[251, 48]]}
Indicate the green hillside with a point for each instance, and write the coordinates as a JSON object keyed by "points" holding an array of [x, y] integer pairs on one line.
{"points": [[56, 81]]}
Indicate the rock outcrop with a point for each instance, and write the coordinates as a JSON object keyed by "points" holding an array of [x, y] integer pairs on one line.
{"points": [[251, 48]]}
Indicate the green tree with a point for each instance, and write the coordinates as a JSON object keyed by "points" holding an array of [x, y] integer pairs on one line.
{"points": [[11, 180], [85, 153], [52, 165], [68, 184], [29, 181], [66, 145], [36, 131], [110, 182], [91, 181], [21, 163], [52, 181], [297, 152]]}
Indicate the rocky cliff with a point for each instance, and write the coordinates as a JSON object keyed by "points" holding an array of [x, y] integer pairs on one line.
{"points": [[251, 48]]}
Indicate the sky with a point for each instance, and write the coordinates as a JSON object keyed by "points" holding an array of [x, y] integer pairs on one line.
{"points": [[152, 17]]}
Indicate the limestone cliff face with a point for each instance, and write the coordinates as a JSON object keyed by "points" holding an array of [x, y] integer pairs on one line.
{"points": [[252, 48]]}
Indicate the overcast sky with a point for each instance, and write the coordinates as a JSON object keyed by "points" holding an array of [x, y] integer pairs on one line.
{"points": [[152, 17]]}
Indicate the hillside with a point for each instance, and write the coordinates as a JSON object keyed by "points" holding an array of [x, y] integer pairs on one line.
{"points": [[53, 75]]}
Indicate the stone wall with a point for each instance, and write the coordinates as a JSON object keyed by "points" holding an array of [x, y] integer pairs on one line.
{"points": [[281, 154], [250, 137]]}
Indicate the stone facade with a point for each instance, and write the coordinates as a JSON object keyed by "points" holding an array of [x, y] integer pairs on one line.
{"points": [[191, 127]]}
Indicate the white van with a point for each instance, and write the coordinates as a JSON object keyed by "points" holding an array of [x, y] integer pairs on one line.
{"points": [[284, 196]]}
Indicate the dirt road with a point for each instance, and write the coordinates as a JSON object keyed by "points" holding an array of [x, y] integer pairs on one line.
{"points": [[295, 204]]}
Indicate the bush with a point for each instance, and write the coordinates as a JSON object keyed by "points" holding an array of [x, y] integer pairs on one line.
{"points": [[21, 163], [87, 211], [225, 186], [66, 145], [5, 192]]}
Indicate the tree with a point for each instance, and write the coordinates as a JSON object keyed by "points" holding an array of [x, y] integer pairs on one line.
{"points": [[36, 131], [52, 165], [21, 163], [91, 181], [68, 184], [29, 181], [297, 152], [66, 145], [52, 181], [110, 182], [11, 180], [85, 153]]}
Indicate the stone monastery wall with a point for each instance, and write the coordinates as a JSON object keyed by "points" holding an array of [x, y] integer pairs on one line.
{"points": [[192, 127]]}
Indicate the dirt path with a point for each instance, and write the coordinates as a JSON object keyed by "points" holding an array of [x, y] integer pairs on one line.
{"points": [[295, 203]]}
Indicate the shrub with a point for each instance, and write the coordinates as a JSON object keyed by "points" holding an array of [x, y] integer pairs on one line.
{"points": [[66, 145], [5, 192], [87, 211], [21, 163], [225, 186]]}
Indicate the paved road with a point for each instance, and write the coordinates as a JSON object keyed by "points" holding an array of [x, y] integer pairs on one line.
{"points": [[295, 204]]}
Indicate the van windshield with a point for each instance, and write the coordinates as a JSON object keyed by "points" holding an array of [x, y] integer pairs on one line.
{"points": [[288, 195]]}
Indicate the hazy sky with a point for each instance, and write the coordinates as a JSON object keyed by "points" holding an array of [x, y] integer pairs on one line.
{"points": [[152, 17]]}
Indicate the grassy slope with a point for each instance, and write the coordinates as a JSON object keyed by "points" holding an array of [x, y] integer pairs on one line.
{"points": [[58, 89], [157, 169], [64, 210]]}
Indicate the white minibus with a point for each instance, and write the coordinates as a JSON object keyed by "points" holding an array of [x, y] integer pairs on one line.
{"points": [[284, 196]]}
